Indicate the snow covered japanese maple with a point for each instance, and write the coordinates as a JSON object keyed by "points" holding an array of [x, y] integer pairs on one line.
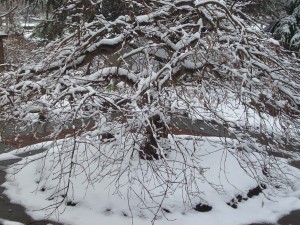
{"points": [[115, 89]]}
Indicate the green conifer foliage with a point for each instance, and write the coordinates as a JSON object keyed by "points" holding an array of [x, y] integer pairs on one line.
{"points": [[287, 29]]}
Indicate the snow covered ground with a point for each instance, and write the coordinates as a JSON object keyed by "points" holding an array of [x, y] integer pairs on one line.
{"points": [[112, 185], [7, 222]]}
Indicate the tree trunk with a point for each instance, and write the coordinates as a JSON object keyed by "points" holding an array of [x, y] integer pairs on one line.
{"points": [[150, 148]]}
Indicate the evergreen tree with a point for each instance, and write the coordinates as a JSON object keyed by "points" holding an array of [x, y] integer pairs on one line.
{"points": [[67, 16], [287, 29]]}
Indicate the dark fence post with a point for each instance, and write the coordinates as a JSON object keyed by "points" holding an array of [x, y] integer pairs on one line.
{"points": [[2, 59]]}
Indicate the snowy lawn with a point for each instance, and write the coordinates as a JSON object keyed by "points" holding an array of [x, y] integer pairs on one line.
{"points": [[116, 187]]}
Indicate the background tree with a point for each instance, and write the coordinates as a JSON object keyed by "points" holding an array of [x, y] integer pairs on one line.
{"points": [[262, 9], [16, 12], [286, 29], [67, 19]]}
